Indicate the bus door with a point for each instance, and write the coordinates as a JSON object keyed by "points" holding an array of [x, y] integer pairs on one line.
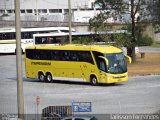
{"points": [[87, 66], [83, 68], [101, 63]]}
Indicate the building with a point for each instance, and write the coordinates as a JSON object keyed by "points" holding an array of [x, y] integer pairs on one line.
{"points": [[57, 10], [42, 10]]}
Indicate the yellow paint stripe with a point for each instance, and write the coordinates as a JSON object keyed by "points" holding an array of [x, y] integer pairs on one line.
{"points": [[7, 41]]}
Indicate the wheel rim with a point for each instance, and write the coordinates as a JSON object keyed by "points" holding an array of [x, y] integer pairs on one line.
{"points": [[94, 81], [41, 77], [49, 78]]}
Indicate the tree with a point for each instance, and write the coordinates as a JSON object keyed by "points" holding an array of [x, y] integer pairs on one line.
{"points": [[156, 15], [134, 9], [139, 11]]}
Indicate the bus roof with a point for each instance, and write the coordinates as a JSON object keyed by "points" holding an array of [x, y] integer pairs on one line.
{"points": [[50, 34], [98, 48], [78, 33], [8, 30], [63, 34]]}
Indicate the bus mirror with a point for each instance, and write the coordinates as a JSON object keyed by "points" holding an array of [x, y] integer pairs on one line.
{"points": [[106, 60], [128, 58]]}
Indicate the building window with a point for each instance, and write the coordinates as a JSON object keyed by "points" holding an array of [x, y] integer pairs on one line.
{"points": [[2, 11], [22, 11], [29, 11], [42, 11], [9, 11], [55, 10], [66, 10]]}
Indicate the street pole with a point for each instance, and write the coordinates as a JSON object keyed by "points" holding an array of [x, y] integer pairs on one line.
{"points": [[20, 99], [70, 19]]}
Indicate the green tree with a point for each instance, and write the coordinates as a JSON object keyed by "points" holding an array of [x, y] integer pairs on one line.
{"points": [[156, 15], [83, 40], [139, 11]]}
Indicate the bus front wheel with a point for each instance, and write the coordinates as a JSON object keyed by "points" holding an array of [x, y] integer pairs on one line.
{"points": [[93, 80], [49, 77], [41, 77]]}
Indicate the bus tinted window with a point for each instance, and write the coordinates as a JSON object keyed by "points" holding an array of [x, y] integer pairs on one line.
{"points": [[96, 54], [7, 36], [1, 37], [60, 55], [41, 40]]}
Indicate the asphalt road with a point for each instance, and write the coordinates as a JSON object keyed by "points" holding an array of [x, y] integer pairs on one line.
{"points": [[139, 95], [149, 49]]}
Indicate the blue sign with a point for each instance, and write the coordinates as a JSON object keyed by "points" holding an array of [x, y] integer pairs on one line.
{"points": [[81, 107]]}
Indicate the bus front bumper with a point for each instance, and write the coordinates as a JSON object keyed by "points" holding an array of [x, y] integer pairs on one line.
{"points": [[110, 78]]}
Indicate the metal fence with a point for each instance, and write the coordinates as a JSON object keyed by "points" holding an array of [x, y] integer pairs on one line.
{"points": [[56, 112]]}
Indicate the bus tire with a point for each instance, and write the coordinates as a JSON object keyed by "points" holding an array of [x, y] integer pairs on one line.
{"points": [[49, 77], [93, 80], [41, 77]]}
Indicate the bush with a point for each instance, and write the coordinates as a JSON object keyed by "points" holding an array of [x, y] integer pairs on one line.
{"points": [[83, 40], [145, 41]]}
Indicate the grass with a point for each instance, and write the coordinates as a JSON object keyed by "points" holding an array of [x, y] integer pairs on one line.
{"points": [[156, 44], [148, 65]]}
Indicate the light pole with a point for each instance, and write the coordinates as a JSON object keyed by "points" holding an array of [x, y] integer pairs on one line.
{"points": [[20, 99]]}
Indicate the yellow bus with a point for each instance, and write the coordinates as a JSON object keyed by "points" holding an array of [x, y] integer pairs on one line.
{"points": [[94, 64]]}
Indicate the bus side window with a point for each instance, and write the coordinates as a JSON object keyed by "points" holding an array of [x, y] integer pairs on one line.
{"points": [[51, 40], [55, 55], [101, 64], [37, 40], [89, 57], [30, 53], [37, 54], [4, 36], [44, 40], [25, 35], [96, 54], [1, 36]]}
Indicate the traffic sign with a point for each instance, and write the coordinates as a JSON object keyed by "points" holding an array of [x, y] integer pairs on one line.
{"points": [[81, 107], [37, 100]]}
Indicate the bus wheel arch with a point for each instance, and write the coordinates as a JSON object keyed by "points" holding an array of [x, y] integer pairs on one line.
{"points": [[93, 79], [41, 76], [49, 77]]}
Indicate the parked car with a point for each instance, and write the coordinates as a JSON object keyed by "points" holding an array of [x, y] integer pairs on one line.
{"points": [[80, 118]]}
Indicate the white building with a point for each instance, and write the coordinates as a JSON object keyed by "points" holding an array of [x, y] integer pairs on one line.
{"points": [[51, 10], [54, 10]]}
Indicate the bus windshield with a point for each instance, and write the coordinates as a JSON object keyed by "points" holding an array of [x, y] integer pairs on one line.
{"points": [[117, 63]]}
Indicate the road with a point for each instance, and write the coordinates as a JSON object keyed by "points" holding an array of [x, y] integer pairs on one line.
{"points": [[139, 95], [149, 49]]}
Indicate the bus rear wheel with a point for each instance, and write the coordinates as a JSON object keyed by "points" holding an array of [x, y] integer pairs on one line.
{"points": [[49, 77], [41, 77], [93, 80]]}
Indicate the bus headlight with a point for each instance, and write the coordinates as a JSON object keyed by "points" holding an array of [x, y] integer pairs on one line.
{"points": [[116, 77]]}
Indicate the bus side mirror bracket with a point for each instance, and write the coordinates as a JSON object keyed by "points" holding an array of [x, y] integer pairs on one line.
{"points": [[106, 60], [128, 59]]}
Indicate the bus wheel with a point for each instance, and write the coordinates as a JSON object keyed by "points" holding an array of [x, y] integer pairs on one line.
{"points": [[41, 77], [93, 80], [49, 77]]}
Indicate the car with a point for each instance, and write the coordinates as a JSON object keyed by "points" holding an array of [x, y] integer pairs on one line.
{"points": [[80, 118]]}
